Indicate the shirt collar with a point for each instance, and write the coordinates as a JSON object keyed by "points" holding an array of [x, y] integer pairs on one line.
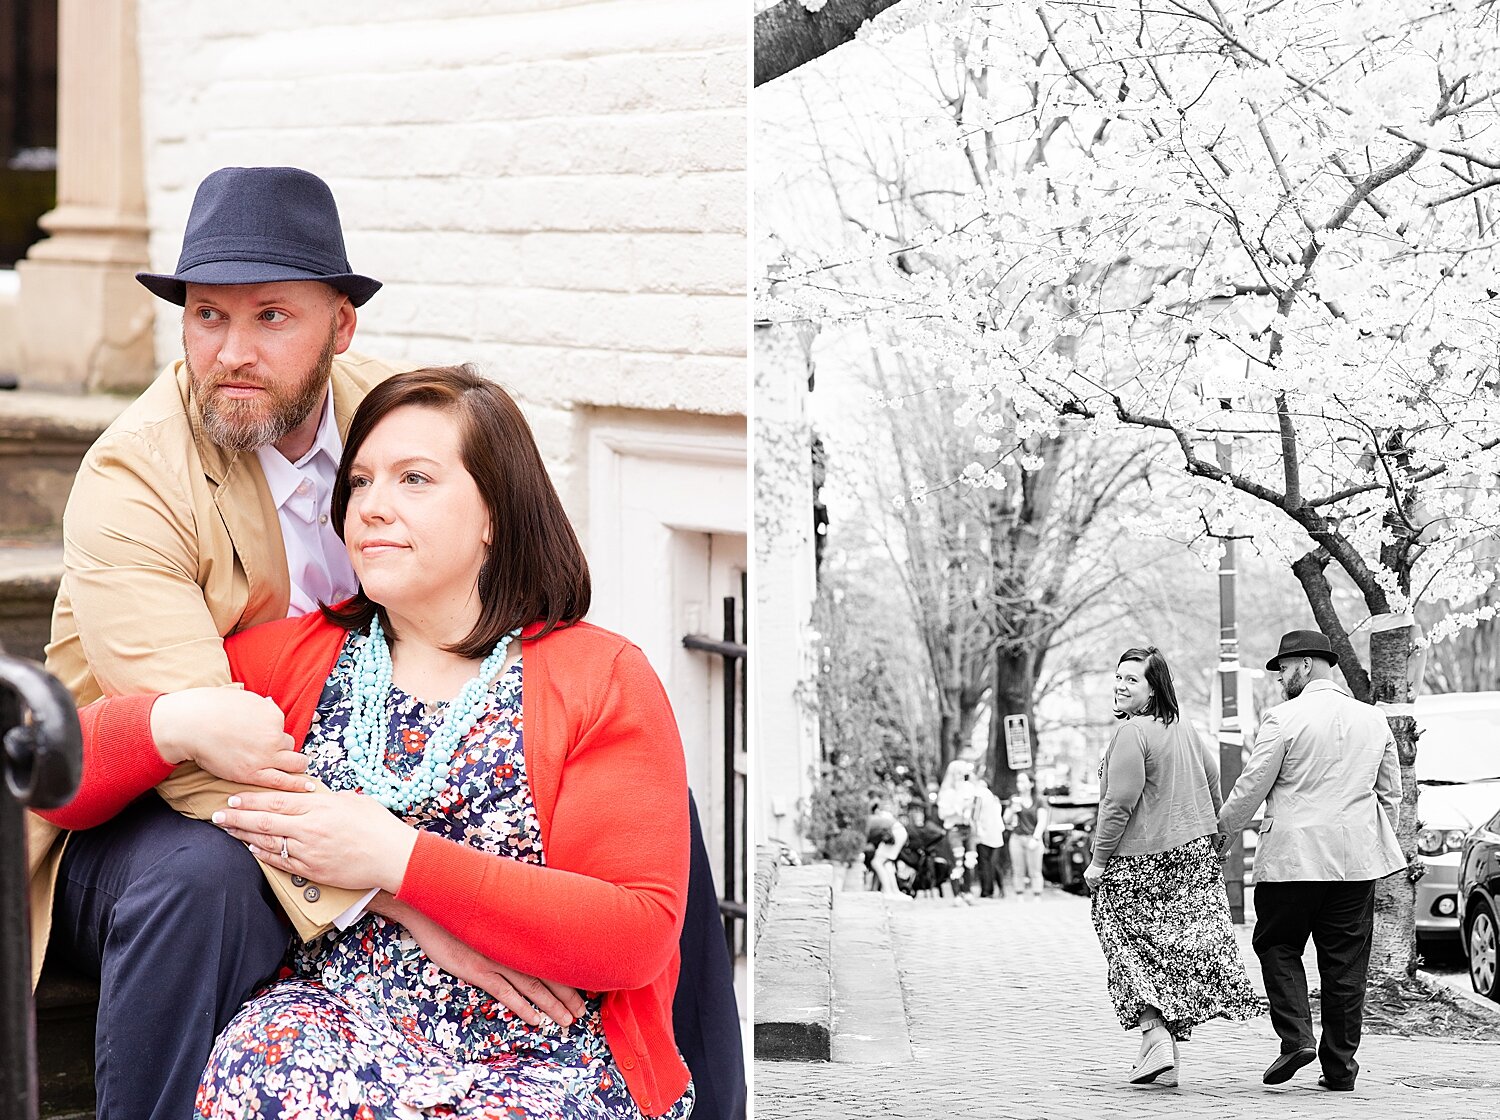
{"points": [[1323, 685], [284, 476]]}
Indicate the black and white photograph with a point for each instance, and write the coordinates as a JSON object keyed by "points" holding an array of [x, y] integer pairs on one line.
{"points": [[1126, 450]]}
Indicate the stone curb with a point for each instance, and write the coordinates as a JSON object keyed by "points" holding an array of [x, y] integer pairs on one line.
{"points": [[793, 968]]}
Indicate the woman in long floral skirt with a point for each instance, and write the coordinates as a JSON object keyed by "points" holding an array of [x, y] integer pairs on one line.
{"points": [[1159, 904]]}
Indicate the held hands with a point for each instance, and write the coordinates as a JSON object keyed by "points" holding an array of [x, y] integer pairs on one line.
{"points": [[529, 998], [339, 839], [1091, 876], [1221, 844], [233, 734]]}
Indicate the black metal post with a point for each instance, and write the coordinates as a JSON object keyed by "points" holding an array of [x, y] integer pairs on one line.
{"points": [[42, 757]]}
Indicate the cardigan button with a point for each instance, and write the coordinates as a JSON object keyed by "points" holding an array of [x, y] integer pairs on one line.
{"points": [[312, 894], [298, 881], [628, 1063], [604, 1013]]}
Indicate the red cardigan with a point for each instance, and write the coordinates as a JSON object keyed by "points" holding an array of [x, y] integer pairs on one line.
{"points": [[604, 914]]}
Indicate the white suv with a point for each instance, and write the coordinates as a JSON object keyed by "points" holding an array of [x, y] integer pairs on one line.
{"points": [[1458, 772]]}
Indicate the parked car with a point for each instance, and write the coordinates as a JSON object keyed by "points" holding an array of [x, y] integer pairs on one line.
{"points": [[1479, 891], [1073, 856], [1066, 812], [1458, 774]]}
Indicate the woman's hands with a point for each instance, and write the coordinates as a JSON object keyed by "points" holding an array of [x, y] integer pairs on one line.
{"points": [[233, 734], [529, 998], [341, 839], [1091, 876]]}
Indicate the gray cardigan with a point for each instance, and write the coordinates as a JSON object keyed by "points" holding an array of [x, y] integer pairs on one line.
{"points": [[1158, 789]]}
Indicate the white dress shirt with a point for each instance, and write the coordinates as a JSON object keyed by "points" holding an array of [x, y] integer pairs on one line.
{"points": [[316, 559]]}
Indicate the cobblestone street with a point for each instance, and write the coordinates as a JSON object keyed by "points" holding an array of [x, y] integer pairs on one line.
{"points": [[1009, 1019]]}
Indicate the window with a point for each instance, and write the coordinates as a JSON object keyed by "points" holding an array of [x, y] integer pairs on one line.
{"points": [[28, 122]]}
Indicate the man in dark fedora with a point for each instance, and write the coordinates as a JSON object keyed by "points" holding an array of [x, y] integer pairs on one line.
{"points": [[1325, 766], [202, 510]]}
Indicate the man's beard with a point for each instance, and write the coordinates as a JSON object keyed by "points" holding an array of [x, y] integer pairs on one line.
{"points": [[247, 425], [1292, 689]]}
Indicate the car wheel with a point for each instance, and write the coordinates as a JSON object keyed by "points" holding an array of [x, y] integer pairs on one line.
{"points": [[1483, 946]]}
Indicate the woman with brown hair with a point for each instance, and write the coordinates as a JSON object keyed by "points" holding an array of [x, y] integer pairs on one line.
{"points": [[1159, 904], [555, 850]]}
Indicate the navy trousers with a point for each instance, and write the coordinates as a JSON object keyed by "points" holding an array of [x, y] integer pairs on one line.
{"points": [[175, 920], [1340, 918], [705, 1018]]}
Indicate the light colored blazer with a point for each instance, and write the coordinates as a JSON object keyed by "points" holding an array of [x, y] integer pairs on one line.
{"points": [[170, 543], [1325, 765]]}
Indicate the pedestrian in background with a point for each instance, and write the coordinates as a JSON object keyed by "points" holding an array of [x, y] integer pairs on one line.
{"points": [[989, 842], [1027, 817], [1159, 904], [885, 836], [1325, 765], [958, 801]]}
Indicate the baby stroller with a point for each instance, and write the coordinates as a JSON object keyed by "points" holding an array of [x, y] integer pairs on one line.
{"points": [[930, 858]]}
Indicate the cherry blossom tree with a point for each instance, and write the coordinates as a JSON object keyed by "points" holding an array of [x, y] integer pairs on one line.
{"points": [[1265, 233]]}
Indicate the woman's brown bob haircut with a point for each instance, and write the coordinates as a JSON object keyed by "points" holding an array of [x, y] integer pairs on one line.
{"points": [[534, 569]]}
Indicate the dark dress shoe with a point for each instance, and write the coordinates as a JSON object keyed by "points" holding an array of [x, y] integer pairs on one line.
{"points": [[1287, 1064], [1336, 1086]]}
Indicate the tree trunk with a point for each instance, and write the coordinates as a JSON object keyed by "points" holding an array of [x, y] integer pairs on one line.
{"points": [[788, 35], [1392, 956], [1015, 682]]}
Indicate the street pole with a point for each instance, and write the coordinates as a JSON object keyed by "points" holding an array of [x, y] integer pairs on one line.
{"points": [[1231, 740]]}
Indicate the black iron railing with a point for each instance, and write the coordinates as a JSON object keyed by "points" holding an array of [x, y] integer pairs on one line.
{"points": [[731, 648], [41, 753]]}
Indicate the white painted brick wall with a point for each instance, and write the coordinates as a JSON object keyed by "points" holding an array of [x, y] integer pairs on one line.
{"points": [[554, 190]]}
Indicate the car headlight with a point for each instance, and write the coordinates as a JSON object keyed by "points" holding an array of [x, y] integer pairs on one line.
{"points": [[1436, 841]]}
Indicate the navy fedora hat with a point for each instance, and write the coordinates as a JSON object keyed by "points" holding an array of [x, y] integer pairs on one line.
{"points": [[255, 225], [1304, 643]]}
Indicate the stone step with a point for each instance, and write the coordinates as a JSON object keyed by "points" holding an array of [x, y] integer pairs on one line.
{"points": [[30, 571], [43, 437], [793, 977]]}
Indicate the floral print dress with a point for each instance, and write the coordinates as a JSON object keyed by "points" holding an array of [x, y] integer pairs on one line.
{"points": [[365, 1026], [1163, 923]]}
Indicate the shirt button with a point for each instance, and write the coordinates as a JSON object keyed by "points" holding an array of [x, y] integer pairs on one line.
{"points": [[298, 881], [312, 894], [323, 519]]}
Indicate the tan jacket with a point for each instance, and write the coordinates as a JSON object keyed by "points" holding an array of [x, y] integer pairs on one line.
{"points": [[170, 543], [1325, 765]]}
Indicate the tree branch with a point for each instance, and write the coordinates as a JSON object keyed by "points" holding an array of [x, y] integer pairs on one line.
{"points": [[788, 35]]}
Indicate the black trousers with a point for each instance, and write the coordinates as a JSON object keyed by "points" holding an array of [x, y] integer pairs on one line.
{"points": [[176, 921], [705, 1017], [1340, 919], [991, 870]]}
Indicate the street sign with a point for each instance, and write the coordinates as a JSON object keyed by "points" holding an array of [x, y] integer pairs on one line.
{"points": [[1017, 743]]}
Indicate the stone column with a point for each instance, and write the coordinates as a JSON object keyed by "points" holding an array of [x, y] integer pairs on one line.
{"points": [[85, 322]]}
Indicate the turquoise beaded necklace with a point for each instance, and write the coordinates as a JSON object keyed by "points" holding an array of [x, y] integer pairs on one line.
{"points": [[366, 732]]}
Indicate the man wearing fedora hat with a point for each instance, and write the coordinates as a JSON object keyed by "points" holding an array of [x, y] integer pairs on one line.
{"points": [[1325, 766], [204, 510]]}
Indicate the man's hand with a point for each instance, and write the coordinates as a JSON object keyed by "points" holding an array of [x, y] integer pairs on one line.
{"points": [[530, 999], [1221, 844], [233, 734]]}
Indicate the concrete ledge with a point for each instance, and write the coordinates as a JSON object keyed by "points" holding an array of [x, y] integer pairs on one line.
{"points": [[869, 1010], [793, 969], [767, 870]]}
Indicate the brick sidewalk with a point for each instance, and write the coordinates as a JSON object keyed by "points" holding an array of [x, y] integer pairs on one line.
{"points": [[1010, 1020]]}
